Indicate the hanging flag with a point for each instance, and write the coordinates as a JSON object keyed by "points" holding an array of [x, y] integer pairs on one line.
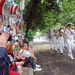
{"points": [[1, 6], [18, 14], [13, 8], [21, 22], [10, 7]]}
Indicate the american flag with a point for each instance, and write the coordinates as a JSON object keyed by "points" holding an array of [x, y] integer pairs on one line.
{"points": [[21, 22], [10, 7], [1, 6], [13, 8], [18, 14]]}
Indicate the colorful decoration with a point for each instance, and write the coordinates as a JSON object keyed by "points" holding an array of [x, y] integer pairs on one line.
{"points": [[13, 8], [10, 7], [21, 22], [18, 14]]}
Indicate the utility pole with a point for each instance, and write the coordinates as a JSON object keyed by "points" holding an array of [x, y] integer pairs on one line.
{"points": [[22, 7]]}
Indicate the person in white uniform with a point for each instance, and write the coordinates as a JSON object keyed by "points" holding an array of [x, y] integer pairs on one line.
{"points": [[72, 36], [69, 33], [65, 43], [52, 39], [60, 40], [50, 36], [55, 40]]}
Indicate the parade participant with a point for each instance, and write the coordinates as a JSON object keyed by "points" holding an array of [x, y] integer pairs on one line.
{"points": [[54, 34], [49, 35], [68, 34], [64, 36], [52, 39], [72, 36], [60, 40]]}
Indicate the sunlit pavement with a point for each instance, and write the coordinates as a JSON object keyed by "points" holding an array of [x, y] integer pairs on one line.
{"points": [[41, 39]]}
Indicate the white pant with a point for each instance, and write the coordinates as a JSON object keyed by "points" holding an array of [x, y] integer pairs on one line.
{"points": [[65, 43], [72, 44], [61, 44], [69, 47], [53, 41]]}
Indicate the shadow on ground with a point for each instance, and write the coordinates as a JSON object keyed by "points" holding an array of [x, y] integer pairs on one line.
{"points": [[53, 63]]}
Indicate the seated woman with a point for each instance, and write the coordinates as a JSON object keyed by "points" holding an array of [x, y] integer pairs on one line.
{"points": [[30, 49], [24, 52], [12, 59]]}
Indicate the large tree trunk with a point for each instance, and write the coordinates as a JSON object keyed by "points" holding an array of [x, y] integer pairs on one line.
{"points": [[32, 14]]}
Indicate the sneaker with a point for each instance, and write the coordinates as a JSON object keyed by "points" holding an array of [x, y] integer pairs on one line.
{"points": [[37, 69], [22, 71], [37, 65], [72, 57], [61, 53]]}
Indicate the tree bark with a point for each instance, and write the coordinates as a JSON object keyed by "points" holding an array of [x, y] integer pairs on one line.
{"points": [[32, 14]]}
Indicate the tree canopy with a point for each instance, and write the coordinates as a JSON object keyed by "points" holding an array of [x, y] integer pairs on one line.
{"points": [[44, 14]]}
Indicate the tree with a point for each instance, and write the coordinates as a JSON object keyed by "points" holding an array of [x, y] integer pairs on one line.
{"points": [[44, 14], [35, 11]]}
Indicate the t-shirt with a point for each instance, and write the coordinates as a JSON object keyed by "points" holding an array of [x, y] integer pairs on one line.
{"points": [[25, 53], [16, 38], [29, 38]]}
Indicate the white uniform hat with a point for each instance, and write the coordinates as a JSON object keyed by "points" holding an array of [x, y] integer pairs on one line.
{"points": [[69, 24]]}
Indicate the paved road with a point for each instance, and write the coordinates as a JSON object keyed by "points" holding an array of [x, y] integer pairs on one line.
{"points": [[53, 63]]}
